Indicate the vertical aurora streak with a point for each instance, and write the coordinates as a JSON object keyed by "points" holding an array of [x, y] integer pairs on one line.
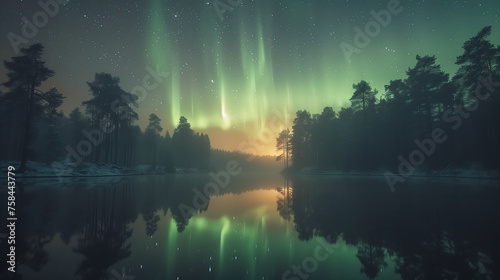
{"points": [[266, 57], [229, 77], [163, 55]]}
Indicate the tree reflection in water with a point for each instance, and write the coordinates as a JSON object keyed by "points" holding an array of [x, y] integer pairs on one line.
{"points": [[285, 201], [431, 232], [427, 231], [105, 234]]}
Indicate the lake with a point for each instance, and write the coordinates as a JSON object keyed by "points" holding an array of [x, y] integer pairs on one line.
{"points": [[260, 226]]}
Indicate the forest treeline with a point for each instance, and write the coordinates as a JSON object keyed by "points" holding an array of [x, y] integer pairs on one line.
{"points": [[104, 132], [428, 120]]}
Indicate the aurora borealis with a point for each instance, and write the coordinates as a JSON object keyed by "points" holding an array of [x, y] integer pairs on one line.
{"points": [[229, 76]]}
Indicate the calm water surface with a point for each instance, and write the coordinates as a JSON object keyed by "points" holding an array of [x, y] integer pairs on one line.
{"points": [[258, 227]]}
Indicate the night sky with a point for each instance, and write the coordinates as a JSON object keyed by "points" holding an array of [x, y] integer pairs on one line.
{"points": [[228, 74]]}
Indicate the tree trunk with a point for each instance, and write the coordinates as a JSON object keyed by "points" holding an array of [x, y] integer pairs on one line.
{"points": [[27, 127]]}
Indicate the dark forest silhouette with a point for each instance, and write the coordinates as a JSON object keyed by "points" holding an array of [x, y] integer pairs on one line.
{"points": [[104, 133], [375, 131]]}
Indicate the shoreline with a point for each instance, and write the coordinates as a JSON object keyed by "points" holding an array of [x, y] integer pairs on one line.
{"points": [[451, 174], [40, 170]]}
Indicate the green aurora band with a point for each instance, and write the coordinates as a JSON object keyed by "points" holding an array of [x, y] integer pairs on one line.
{"points": [[237, 72]]}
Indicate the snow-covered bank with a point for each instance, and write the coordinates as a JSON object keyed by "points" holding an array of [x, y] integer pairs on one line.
{"points": [[445, 173], [86, 169]]}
